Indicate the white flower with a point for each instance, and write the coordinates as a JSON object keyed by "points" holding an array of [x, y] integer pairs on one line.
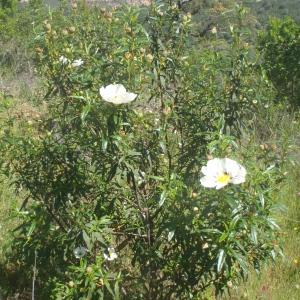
{"points": [[63, 60], [77, 62], [220, 171], [116, 94], [110, 254], [80, 252]]}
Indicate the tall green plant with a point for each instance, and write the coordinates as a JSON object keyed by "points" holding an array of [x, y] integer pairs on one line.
{"points": [[116, 208], [280, 44]]}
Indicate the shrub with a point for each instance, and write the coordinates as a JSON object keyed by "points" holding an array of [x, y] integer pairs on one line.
{"points": [[280, 45], [115, 207]]}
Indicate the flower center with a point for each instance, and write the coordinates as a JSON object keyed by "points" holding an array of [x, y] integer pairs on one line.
{"points": [[223, 178]]}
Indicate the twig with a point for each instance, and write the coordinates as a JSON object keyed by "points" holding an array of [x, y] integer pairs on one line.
{"points": [[34, 275], [129, 234]]}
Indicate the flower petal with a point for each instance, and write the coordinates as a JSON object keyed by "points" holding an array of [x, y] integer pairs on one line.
{"points": [[130, 97], [104, 93], [213, 168], [220, 185], [208, 181], [231, 167], [119, 89], [240, 178], [116, 94], [236, 171]]}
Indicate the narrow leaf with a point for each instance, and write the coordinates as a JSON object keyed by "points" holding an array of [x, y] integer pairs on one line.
{"points": [[171, 235], [87, 240], [162, 198], [221, 260]]}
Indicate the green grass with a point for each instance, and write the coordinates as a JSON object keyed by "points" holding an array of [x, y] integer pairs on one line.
{"points": [[281, 279], [9, 204]]}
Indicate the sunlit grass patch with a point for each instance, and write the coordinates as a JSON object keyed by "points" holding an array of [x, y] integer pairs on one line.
{"points": [[280, 279]]}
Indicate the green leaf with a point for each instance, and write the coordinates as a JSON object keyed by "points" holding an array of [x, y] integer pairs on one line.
{"points": [[241, 260], [32, 228], [104, 144], [163, 147], [158, 178], [223, 237], [272, 223], [254, 235], [117, 291], [162, 198], [262, 200], [221, 260], [85, 112], [171, 235], [212, 230], [87, 240], [107, 285]]}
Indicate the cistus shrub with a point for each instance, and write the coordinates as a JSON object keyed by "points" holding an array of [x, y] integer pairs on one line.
{"points": [[130, 193]]}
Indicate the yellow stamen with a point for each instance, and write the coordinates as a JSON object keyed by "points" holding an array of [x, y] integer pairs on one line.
{"points": [[223, 178]]}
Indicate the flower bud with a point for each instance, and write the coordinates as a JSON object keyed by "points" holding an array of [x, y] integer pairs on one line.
{"points": [[205, 246], [72, 29], [149, 57], [128, 30], [128, 56], [71, 284], [167, 111], [187, 18], [48, 27], [194, 194], [108, 16], [39, 50], [100, 282]]}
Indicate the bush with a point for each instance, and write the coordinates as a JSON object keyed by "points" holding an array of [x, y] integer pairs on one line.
{"points": [[17, 32], [115, 208], [280, 45]]}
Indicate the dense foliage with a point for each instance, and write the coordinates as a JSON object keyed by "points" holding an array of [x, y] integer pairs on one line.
{"points": [[114, 207], [281, 47]]}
